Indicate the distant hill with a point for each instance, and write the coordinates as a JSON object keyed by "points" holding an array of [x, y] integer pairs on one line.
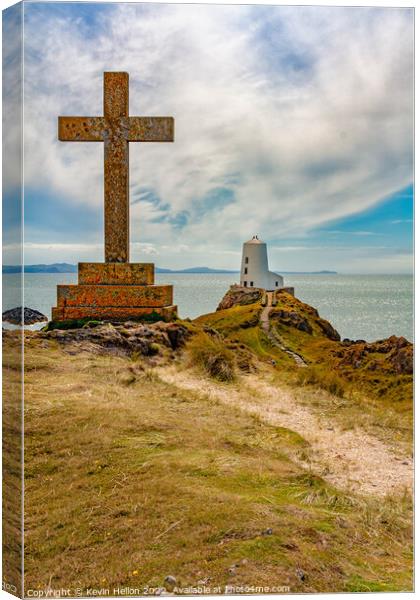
{"points": [[195, 270], [68, 268], [53, 268], [307, 272]]}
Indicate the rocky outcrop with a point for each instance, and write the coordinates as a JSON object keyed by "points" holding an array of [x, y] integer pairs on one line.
{"points": [[291, 319], [328, 330], [123, 339], [30, 316], [393, 355], [239, 296], [402, 360]]}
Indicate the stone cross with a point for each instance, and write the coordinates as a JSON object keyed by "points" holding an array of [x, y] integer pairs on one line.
{"points": [[116, 129]]}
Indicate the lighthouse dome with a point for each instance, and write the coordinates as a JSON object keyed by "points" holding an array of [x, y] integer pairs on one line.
{"points": [[255, 240]]}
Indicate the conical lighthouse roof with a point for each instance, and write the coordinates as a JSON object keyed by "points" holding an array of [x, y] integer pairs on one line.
{"points": [[255, 240]]}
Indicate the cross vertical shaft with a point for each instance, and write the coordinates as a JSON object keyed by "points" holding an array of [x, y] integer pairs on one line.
{"points": [[116, 129], [116, 168]]}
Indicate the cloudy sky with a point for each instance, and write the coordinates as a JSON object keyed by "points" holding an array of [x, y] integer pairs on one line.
{"points": [[294, 123]]}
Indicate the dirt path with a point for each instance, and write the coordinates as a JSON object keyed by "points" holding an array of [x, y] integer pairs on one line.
{"points": [[351, 460], [273, 336]]}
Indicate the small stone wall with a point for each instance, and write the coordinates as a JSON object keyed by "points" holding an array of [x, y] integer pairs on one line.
{"points": [[289, 290]]}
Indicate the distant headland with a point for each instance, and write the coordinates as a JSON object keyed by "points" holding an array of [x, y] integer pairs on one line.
{"points": [[69, 268]]}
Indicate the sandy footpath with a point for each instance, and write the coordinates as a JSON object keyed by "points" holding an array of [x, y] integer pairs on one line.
{"points": [[352, 460]]}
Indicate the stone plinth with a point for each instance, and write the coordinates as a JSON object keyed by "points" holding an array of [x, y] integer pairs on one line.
{"points": [[117, 273], [114, 291]]}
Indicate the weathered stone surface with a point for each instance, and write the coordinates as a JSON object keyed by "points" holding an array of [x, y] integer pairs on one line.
{"points": [[115, 295], [240, 296], [329, 330], [30, 316], [110, 313], [116, 129], [122, 339], [394, 354], [116, 273], [291, 319]]}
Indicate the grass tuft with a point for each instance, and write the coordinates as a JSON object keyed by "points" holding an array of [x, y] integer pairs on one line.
{"points": [[326, 380], [214, 357]]}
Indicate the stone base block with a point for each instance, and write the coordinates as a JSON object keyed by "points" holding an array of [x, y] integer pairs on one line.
{"points": [[133, 296], [116, 273], [114, 291], [110, 313]]}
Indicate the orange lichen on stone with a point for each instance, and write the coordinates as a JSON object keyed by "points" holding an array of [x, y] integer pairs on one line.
{"points": [[117, 273], [116, 129], [114, 295], [110, 313]]}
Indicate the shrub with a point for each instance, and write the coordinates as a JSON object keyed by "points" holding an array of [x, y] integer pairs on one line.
{"points": [[213, 356], [153, 349]]}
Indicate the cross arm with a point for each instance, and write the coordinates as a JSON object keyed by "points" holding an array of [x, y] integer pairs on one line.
{"points": [[81, 129], [151, 129]]}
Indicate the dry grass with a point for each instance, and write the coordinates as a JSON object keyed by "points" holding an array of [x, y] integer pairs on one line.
{"points": [[347, 457], [322, 378], [130, 479], [12, 464], [212, 355]]}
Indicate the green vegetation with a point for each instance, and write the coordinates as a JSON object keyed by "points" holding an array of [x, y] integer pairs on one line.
{"points": [[129, 478], [371, 379], [126, 484], [71, 324], [365, 386]]}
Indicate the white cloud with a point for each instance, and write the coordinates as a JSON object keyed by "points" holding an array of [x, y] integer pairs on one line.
{"points": [[304, 114], [360, 232]]}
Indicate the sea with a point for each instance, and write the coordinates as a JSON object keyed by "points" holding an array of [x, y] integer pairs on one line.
{"points": [[368, 307]]}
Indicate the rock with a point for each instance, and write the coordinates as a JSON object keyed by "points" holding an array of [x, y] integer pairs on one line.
{"points": [[169, 583], [125, 339], [239, 296], [213, 332], [328, 330], [177, 335], [30, 316], [289, 546], [252, 322], [291, 319], [300, 574], [397, 356], [402, 361]]}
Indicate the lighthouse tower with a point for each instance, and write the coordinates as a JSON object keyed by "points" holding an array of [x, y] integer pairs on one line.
{"points": [[254, 268]]}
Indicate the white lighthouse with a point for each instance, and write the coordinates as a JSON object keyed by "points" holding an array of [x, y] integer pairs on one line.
{"points": [[254, 268]]}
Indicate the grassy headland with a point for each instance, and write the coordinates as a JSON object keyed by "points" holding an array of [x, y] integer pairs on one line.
{"points": [[131, 476]]}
